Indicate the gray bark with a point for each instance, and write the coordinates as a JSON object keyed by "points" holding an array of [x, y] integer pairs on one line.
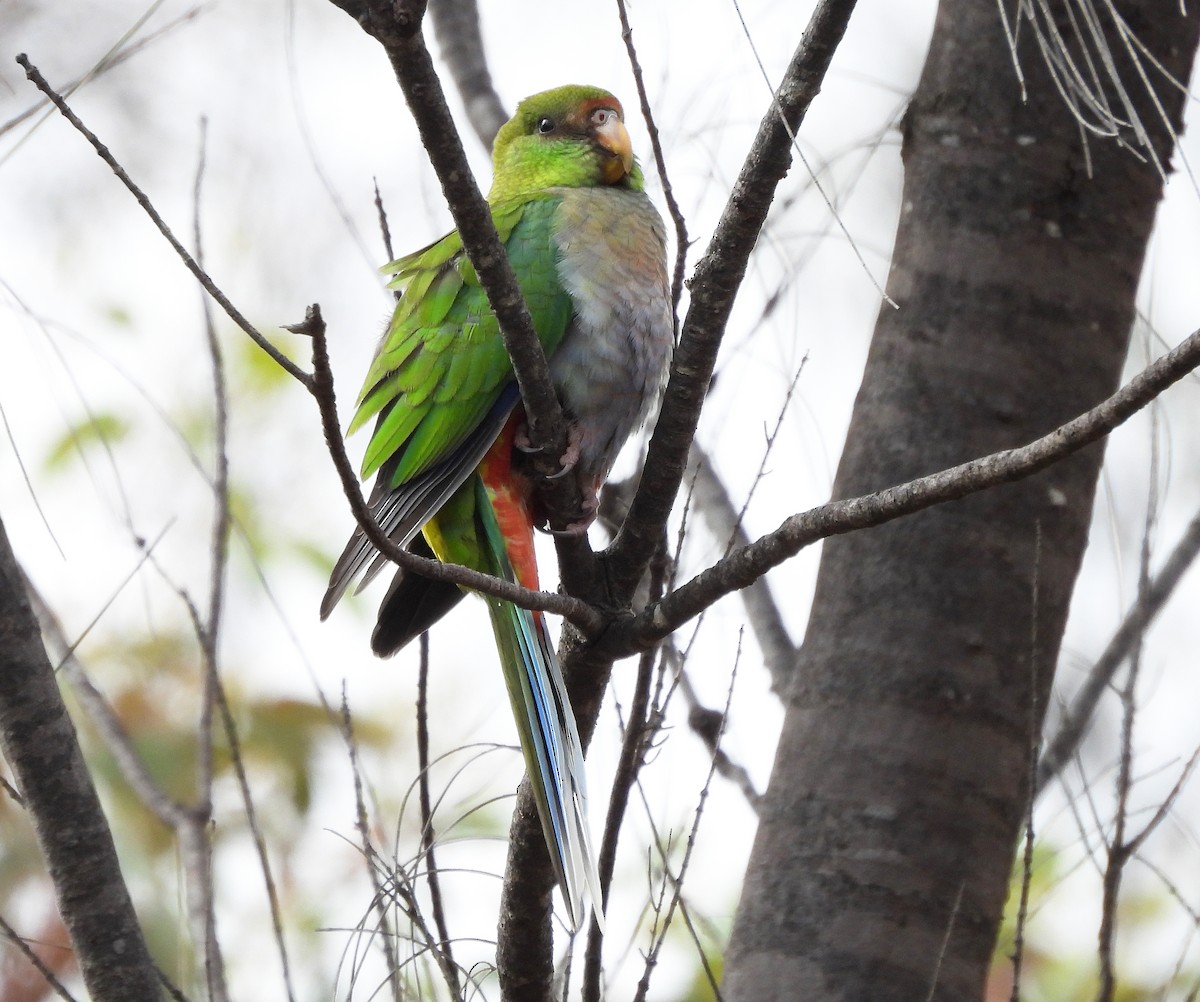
{"points": [[881, 864], [39, 743]]}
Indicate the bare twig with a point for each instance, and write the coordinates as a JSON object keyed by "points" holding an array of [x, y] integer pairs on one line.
{"points": [[210, 287], [1033, 738], [1168, 803], [1149, 603], [102, 716], [456, 28], [31, 955], [195, 838], [724, 522], [260, 844], [714, 284], [16, 451], [1119, 851], [114, 57], [708, 725], [812, 174], [638, 732], [188, 822], [12, 791], [944, 948], [678, 880], [660, 162], [369, 853], [427, 833], [384, 231], [745, 565]]}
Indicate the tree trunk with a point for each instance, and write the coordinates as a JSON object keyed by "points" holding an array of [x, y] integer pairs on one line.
{"points": [[39, 743], [886, 839]]}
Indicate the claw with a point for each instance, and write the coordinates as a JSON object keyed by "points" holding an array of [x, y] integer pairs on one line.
{"points": [[590, 506], [521, 440], [566, 462], [569, 458]]}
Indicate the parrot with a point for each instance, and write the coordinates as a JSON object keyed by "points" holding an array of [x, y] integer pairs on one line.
{"points": [[449, 446]]}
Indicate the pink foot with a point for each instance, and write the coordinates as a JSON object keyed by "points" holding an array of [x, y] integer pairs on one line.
{"points": [[566, 461], [590, 506]]}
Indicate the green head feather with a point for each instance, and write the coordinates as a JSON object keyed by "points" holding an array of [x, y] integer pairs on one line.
{"points": [[552, 141]]}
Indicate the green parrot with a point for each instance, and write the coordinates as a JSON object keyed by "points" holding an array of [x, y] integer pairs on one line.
{"points": [[589, 252]]}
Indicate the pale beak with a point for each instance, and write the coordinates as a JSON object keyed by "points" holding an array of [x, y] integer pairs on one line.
{"points": [[613, 136]]}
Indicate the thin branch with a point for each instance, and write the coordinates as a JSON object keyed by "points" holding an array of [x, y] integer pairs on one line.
{"points": [[101, 715], [1119, 851], [428, 838], [714, 285], [745, 565], [260, 844], [12, 791], [660, 163], [385, 232], [219, 543], [1075, 720], [812, 174], [195, 842], [195, 837], [631, 759], [678, 880], [201, 276], [368, 850], [456, 28], [32, 957], [1033, 738], [715, 506], [1168, 803], [29, 488], [113, 58], [707, 724], [943, 950]]}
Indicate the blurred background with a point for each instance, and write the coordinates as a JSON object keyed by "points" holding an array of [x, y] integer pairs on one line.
{"points": [[290, 115]]}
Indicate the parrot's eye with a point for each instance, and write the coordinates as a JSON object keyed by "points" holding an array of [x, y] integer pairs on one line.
{"points": [[602, 116], [545, 125]]}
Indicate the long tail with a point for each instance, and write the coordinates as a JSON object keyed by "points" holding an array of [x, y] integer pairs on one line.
{"points": [[549, 737]]}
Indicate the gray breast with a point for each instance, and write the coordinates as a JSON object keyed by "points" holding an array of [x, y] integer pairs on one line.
{"points": [[612, 363]]}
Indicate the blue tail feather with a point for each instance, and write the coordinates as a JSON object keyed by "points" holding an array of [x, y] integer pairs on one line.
{"points": [[549, 736]]}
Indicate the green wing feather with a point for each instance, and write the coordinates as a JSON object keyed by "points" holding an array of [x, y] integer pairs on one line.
{"points": [[442, 359]]}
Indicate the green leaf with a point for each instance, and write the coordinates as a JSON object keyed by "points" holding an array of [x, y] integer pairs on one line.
{"points": [[98, 429]]}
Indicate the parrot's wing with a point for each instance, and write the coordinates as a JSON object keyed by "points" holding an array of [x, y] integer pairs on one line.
{"points": [[402, 511], [442, 364], [441, 385]]}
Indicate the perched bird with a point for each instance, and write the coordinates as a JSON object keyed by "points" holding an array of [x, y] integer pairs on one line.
{"points": [[589, 252]]}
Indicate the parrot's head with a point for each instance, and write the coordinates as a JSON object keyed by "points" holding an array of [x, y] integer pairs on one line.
{"points": [[571, 136]]}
